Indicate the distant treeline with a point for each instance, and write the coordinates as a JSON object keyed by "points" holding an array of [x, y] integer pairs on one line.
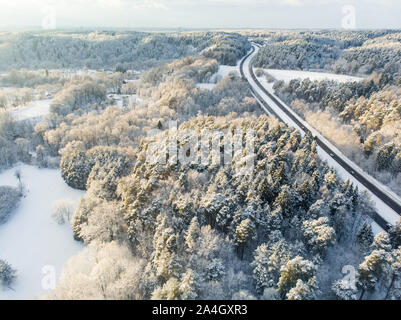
{"points": [[114, 50]]}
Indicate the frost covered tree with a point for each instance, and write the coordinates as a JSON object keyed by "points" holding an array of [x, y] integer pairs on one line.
{"points": [[318, 234], [192, 235], [9, 198], [189, 286], [103, 164], [343, 290], [75, 169], [261, 272], [372, 270], [365, 237], [101, 271], [395, 234], [63, 210], [303, 291], [165, 258], [296, 269], [244, 233], [394, 287], [7, 274], [104, 223], [169, 291]]}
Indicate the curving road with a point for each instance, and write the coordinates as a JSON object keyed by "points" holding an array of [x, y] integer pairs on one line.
{"points": [[388, 205]]}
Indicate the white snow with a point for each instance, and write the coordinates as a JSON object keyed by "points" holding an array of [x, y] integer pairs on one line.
{"points": [[31, 240], [382, 208], [35, 109], [288, 75]]}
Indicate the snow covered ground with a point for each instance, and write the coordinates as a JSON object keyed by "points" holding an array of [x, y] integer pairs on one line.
{"points": [[223, 71], [31, 240], [34, 109], [125, 100], [288, 75]]}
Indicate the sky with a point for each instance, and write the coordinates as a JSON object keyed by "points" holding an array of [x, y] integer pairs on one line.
{"points": [[214, 14]]}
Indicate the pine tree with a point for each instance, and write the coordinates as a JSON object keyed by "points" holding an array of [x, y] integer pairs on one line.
{"points": [[189, 286], [318, 234], [285, 201], [393, 289], [169, 291], [304, 291], [215, 270], [75, 169], [243, 234], [344, 291], [260, 265], [372, 270], [331, 180], [395, 234], [192, 235], [165, 259], [364, 237]]}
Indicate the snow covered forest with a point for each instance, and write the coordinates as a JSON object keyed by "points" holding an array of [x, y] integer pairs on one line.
{"points": [[113, 50], [366, 114], [345, 52], [173, 230]]}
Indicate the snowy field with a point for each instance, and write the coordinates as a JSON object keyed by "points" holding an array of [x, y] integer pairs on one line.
{"points": [[386, 212], [31, 239], [288, 75], [34, 109], [223, 71]]}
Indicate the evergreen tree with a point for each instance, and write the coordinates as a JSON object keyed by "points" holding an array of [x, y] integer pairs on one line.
{"points": [[260, 264], [394, 287], [189, 286], [395, 234], [365, 237], [344, 291], [372, 270], [303, 291], [318, 234], [192, 235], [7, 274]]}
